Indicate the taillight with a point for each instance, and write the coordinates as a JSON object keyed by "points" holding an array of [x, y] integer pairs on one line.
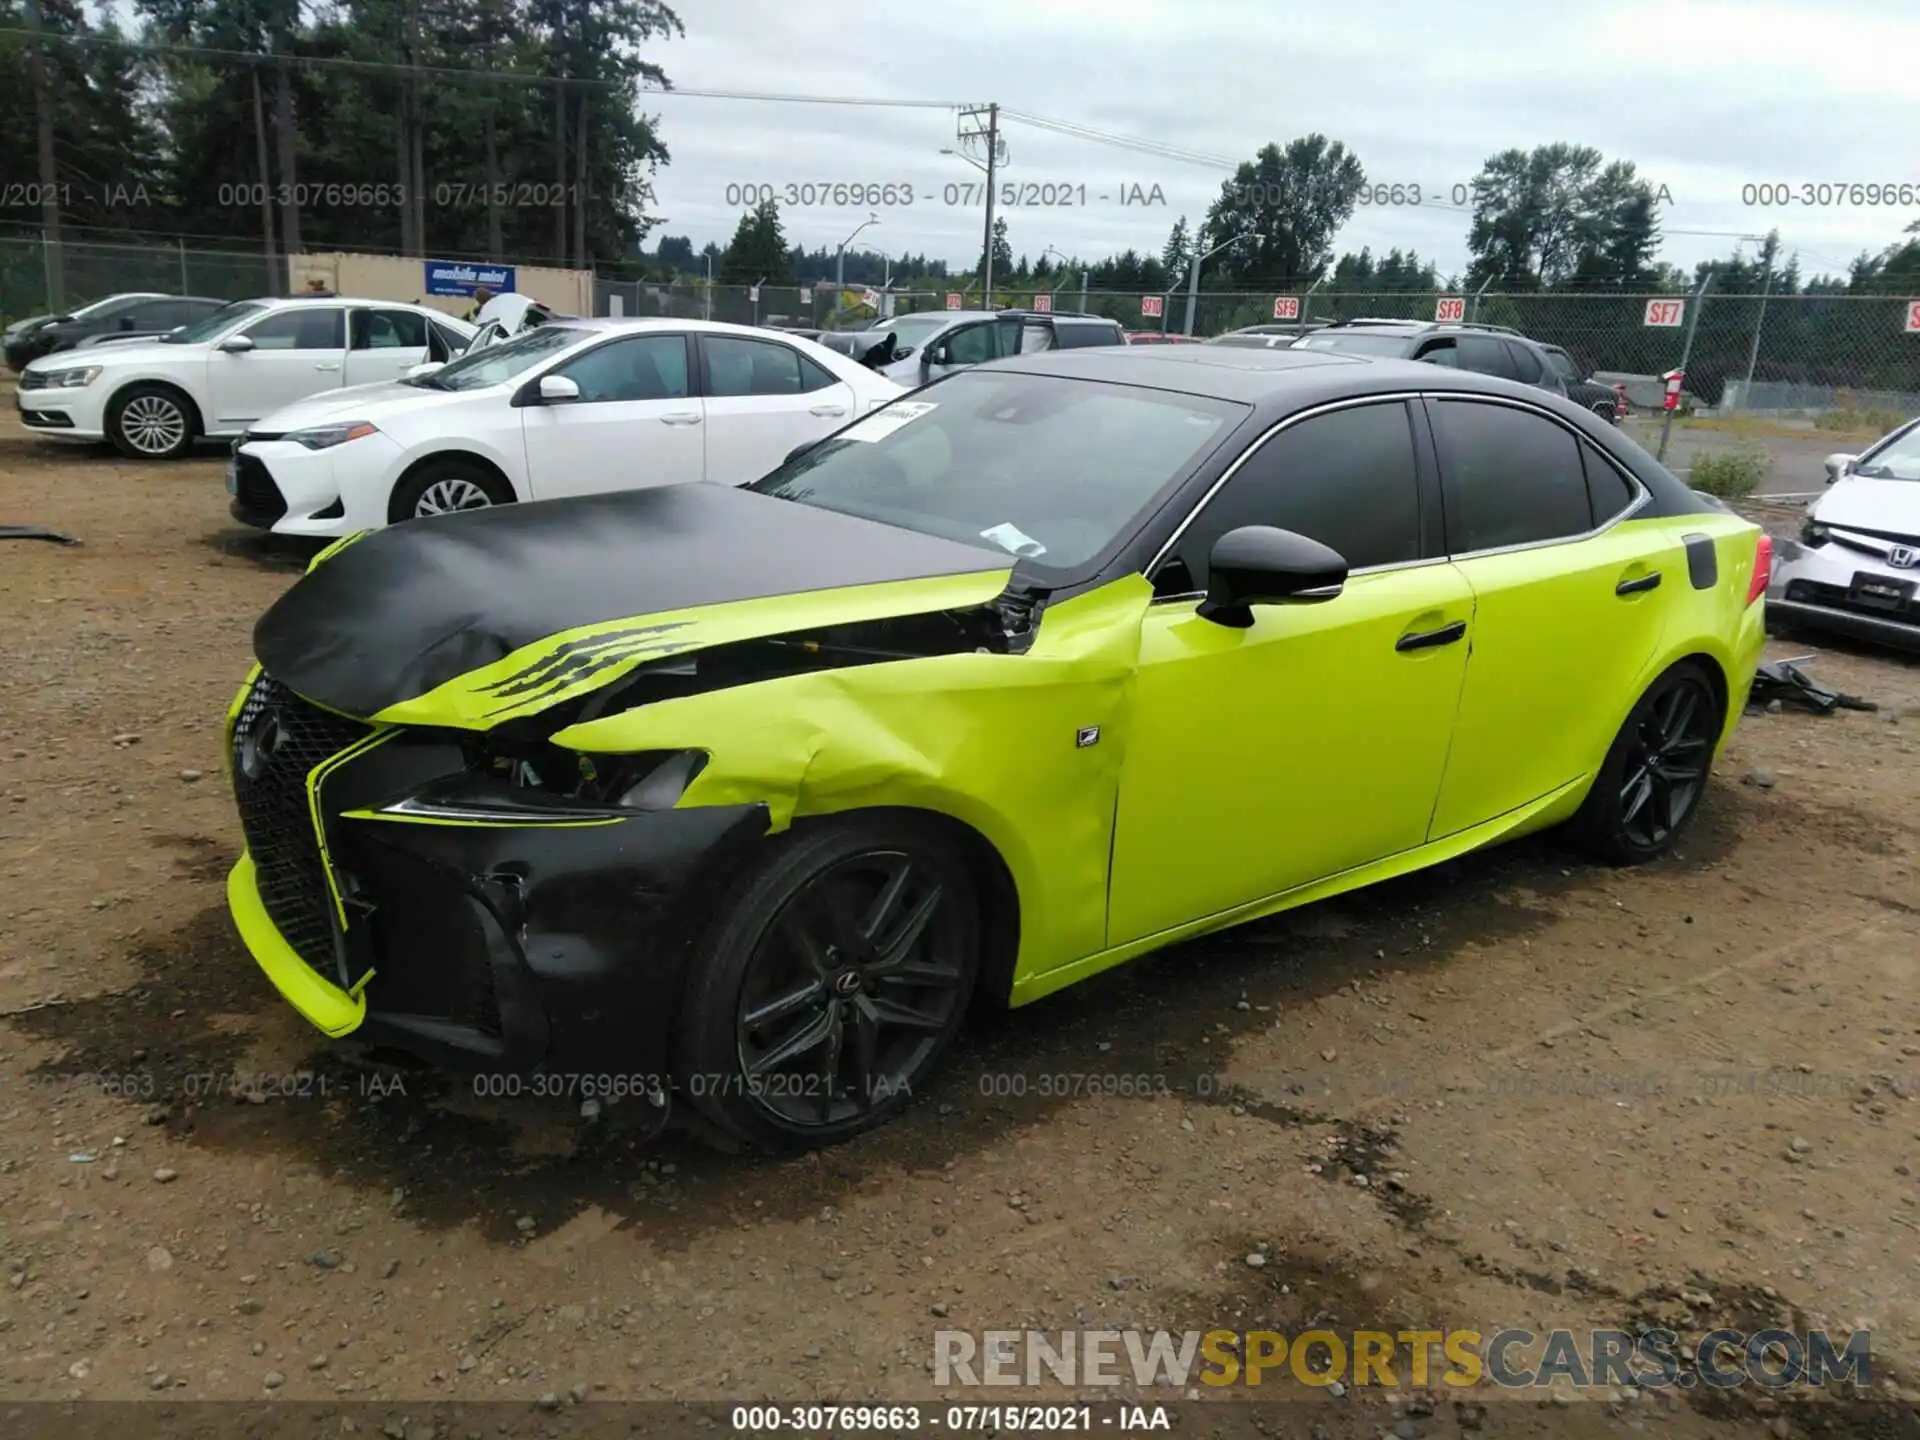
{"points": [[1762, 568]]}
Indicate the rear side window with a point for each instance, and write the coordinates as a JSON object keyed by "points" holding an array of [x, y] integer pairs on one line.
{"points": [[1073, 337], [1526, 367], [1508, 477], [1486, 355], [1346, 479], [1441, 352], [1608, 492]]}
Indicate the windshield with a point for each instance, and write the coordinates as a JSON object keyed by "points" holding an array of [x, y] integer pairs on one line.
{"points": [[910, 332], [1562, 366], [497, 364], [217, 323], [1356, 344], [1048, 469], [1896, 460], [87, 311]]}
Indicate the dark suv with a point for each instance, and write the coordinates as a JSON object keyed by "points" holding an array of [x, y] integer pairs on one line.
{"points": [[127, 316], [1488, 349]]}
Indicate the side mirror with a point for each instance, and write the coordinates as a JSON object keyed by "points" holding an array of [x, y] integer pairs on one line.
{"points": [[558, 388], [1838, 465], [425, 368], [236, 344], [1262, 565]]}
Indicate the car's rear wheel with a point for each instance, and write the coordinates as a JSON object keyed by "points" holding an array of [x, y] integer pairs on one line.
{"points": [[150, 422], [441, 487], [1655, 772], [835, 977]]}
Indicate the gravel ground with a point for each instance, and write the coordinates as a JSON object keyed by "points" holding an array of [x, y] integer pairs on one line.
{"points": [[1513, 1091]]}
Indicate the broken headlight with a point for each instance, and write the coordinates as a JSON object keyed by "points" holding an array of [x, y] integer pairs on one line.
{"points": [[548, 784]]}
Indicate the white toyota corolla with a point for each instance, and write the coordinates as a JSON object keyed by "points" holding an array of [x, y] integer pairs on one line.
{"points": [[572, 407]]}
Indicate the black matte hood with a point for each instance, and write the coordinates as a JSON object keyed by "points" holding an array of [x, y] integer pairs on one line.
{"points": [[406, 609]]}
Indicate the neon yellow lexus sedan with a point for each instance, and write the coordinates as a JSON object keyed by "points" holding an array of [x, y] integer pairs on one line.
{"points": [[736, 797]]}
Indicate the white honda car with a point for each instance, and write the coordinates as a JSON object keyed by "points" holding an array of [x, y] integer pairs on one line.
{"points": [[217, 376], [570, 407], [1855, 568]]}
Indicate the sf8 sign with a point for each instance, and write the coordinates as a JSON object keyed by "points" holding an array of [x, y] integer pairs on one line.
{"points": [[1450, 307]]}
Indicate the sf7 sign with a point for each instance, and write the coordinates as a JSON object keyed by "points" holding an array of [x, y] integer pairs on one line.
{"points": [[1667, 313], [1450, 307]]}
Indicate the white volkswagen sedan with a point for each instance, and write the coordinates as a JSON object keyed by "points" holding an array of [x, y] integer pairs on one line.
{"points": [[571, 407], [215, 377]]}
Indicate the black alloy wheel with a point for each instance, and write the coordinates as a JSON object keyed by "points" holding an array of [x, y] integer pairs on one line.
{"points": [[1656, 771], [840, 978]]}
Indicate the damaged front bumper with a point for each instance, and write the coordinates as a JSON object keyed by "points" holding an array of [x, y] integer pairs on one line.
{"points": [[1835, 587], [476, 944]]}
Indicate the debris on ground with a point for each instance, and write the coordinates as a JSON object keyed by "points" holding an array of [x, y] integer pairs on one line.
{"points": [[1780, 683]]}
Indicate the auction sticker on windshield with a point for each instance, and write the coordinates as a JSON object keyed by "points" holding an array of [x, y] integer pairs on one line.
{"points": [[884, 422]]}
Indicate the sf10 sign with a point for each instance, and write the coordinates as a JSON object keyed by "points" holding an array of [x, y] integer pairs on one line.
{"points": [[1286, 307], [1450, 307], [1913, 317], [1151, 305], [1043, 303], [953, 301], [1668, 313]]}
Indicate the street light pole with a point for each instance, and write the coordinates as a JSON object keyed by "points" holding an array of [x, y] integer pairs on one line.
{"points": [[1193, 280], [1753, 352]]}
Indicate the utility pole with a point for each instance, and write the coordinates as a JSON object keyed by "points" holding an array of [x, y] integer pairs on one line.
{"points": [[279, 283], [1698, 302], [994, 159], [53, 254], [1767, 252]]}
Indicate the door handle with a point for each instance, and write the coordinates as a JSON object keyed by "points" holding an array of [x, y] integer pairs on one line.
{"points": [[1640, 586], [680, 417], [328, 365], [828, 410], [1428, 639]]}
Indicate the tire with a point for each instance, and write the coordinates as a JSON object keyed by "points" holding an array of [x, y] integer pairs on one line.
{"points": [[783, 945], [151, 422], [441, 487], [1662, 757]]}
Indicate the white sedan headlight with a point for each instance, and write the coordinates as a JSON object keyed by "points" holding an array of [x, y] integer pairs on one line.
{"points": [[325, 437], [77, 378]]}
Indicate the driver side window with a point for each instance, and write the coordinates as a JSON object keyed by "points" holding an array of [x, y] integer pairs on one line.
{"points": [[971, 345]]}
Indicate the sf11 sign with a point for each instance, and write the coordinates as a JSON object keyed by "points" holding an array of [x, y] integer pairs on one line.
{"points": [[953, 301], [1667, 313], [1286, 307], [1913, 317], [1151, 305], [1043, 303], [1450, 307]]}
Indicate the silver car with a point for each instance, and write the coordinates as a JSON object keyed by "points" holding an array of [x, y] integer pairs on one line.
{"points": [[1856, 567]]}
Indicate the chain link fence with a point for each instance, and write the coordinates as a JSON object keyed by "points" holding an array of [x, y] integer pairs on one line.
{"points": [[89, 271], [1806, 353]]}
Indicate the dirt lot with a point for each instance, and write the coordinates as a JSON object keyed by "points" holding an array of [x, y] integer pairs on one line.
{"points": [[1577, 1097]]}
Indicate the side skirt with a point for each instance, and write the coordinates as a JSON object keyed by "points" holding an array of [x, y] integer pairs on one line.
{"points": [[1554, 806]]}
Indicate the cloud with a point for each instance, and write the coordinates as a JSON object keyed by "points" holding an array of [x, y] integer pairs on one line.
{"points": [[1705, 97]]}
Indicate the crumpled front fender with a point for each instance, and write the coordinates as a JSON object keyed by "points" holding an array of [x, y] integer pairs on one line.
{"points": [[1026, 749]]}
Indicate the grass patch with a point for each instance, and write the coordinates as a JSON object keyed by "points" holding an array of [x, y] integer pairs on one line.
{"points": [[1731, 474], [1870, 421]]}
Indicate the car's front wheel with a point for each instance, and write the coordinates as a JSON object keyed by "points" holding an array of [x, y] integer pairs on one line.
{"points": [[834, 978], [150, 422], [441, 487], [1656, 771]]}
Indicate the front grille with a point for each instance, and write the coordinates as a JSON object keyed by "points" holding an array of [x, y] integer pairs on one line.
{"points": [[254, 490], [278, 739]]}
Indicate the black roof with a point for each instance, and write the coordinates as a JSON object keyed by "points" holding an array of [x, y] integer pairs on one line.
{"points": [[1275, 382]]}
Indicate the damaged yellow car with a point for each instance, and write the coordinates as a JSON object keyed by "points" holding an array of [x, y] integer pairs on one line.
{"points": [[740, 796]]}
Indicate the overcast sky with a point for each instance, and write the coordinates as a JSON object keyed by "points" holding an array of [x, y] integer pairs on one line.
{"points": [[1704, 98]]}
